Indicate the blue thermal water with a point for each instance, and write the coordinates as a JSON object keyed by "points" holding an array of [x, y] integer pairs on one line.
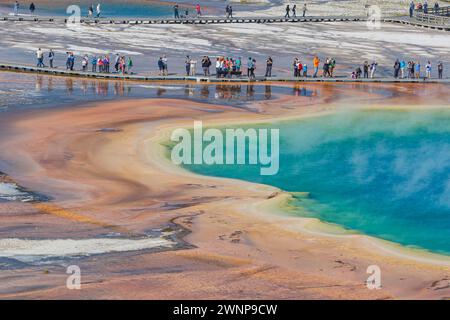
{"points": [[108, 9], [383, 173]]}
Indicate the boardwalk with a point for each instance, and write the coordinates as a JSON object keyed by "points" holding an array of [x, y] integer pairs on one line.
{"points": [[417, 23], [212, 79], [199, 20]]}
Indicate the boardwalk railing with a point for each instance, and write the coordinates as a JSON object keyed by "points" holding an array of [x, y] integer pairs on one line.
{"points": [[193, 20], [444, 11], [438, 17]]}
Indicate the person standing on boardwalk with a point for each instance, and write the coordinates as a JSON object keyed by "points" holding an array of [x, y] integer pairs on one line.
{"points": [[107, 63], [40, 58], [250, 68], [16, 8], [411, 9], [130, 65], [304, 10], [67, 60], [425, 7], [417, 69], [70, 61], [187, 65], [193, 67], [165, 64], [288, 10], [198, 9], [402, 68], [373, 68], [295, 65], [396, 68], [366, 69], [326, 68], [122, 65], [294, 11], [358, 73], [94, 63], [116, 62], [316, 62], [218, 67], [269, 64], [91, 11], [176, 12], [332, 66], [161, 66], [32, 8], [238, 64], [440, 68], [229, 12], [51, 56], [100, 64], [206, 63], [84, 63], [428, 70]]}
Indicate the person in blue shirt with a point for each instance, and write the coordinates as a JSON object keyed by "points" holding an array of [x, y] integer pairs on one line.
{"points": [[94, 63], [402, 68], [411, 9], [417, 70], [238, 64], [250, 68]]}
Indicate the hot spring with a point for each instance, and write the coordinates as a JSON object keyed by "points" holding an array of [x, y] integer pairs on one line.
{"points": [[382, 173]]}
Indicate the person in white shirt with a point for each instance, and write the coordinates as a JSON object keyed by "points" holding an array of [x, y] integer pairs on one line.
{"points": [[373, 68], [165, 66], [40, 58], [16, 8], [193, 67], [218, 68]]}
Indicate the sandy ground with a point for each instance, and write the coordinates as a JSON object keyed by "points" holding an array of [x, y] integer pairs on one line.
{"points": [[244, 247]]}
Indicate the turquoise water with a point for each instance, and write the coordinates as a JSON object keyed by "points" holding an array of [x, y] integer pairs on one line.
{"points": [[108, 9], [383, 173]]}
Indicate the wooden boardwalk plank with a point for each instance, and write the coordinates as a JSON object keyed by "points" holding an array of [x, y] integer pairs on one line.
{"points": [[212, 79]]}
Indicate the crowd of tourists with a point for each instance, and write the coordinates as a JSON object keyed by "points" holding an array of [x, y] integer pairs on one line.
{"points": [[291, 12], [91, 12], [421, 7], [227, 67], [179, 13], [93, 63], [367, 71], [413, 69]]}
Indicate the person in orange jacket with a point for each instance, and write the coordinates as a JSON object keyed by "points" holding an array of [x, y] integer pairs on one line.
{"points": [[316, 62]]}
